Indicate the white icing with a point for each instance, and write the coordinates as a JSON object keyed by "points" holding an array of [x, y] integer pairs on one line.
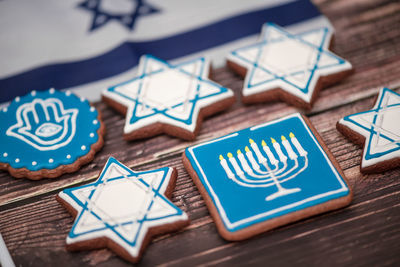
{"points": [[61, 120], [281, 54], [122, 203], [167, 87], [387, 123]]}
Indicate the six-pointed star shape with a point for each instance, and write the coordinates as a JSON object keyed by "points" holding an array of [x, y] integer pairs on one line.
{"points": [[119, 210], [101, 16], [380, 129], [287, 66], [167, 98]]}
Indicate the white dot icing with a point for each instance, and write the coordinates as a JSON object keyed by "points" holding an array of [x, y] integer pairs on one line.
{"points": [[51, 160], [17, 160], [5, 154], [83, 147], [34, 163]]}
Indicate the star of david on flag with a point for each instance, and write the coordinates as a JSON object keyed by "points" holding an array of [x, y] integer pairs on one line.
{"points": [[127, 18]]}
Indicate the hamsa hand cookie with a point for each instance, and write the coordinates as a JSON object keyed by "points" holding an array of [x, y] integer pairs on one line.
{"points": [[166, 98], [377, 131], [122, 210], [45, 134], [288, 67], [266, 176]]}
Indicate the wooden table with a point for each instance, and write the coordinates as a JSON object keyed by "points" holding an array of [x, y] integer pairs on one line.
{"points": [[367, 232]]}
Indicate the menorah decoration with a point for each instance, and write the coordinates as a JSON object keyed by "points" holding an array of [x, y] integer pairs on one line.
{"points": [[267, 171], [265, 183]]}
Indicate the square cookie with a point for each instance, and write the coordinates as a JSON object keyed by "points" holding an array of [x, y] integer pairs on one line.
{"points": [[265, 176]]}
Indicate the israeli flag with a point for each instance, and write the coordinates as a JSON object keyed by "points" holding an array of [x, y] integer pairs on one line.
{"points": [[89, 45]]}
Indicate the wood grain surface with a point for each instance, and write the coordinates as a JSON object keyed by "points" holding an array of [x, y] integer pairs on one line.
{"points": [[366, 233]]}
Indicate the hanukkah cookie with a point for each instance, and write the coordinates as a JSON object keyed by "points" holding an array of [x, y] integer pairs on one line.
{"points": [[377, 131], [122, 210], [45, 134], [266, 176], [167, 98], [288, 67]]}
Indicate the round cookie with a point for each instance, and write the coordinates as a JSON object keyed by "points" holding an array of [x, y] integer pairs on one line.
{"points": [[48, 133]]}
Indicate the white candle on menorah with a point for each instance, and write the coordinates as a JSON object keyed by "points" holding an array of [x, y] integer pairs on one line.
{"points": [[267, 171]]}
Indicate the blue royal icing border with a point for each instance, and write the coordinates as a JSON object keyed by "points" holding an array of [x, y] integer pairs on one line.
{"points": [[131, 240], [44, 130], [157, 114], [253, 65], [240, 207], [371, 130]]}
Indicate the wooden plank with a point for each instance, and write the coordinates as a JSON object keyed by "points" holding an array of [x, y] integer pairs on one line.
{"points": [[35, 226], [375, 211]]}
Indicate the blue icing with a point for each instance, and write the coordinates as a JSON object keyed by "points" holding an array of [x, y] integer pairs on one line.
{"points": [[43, 130], [373, 128], [315, 180]]}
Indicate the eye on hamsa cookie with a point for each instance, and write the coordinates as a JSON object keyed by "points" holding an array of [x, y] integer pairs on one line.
{"points": [[45, 134]]}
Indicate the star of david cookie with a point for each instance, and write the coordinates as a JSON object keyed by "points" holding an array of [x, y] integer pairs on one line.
{"points": [[288, 67], [266, 176], [167, 98], [377, 131], [122, 210], [45, 134]]}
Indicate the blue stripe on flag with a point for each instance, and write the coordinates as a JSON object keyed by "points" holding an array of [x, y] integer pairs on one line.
{"points": [[126, 56]]}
